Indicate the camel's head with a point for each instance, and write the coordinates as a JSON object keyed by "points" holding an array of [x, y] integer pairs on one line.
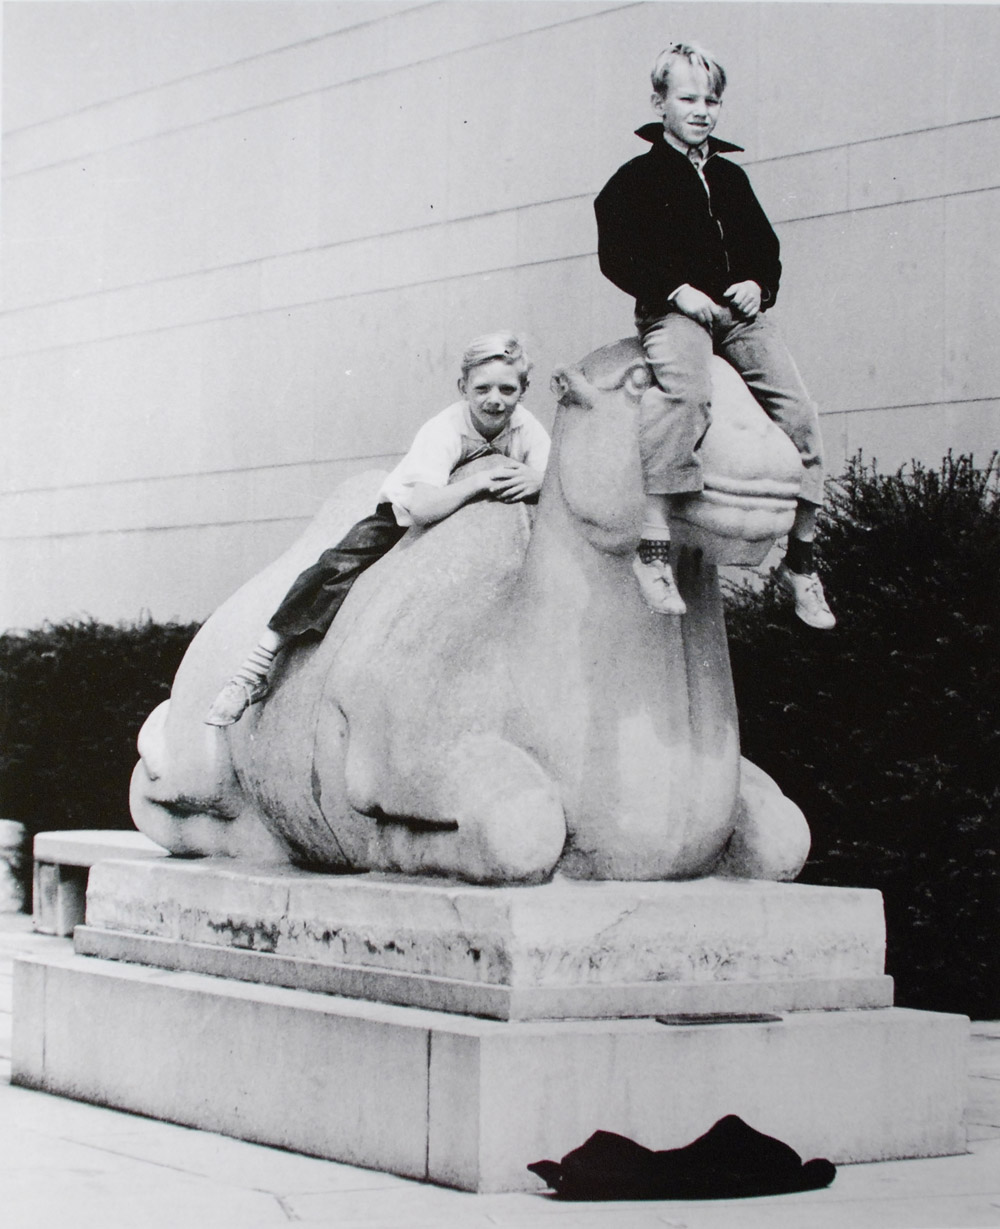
{"points": [[751, 469], [595, 451]]}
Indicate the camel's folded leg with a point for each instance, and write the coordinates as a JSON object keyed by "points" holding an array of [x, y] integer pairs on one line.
{"points": [[190, 803], [771, 837], [488, 813]]}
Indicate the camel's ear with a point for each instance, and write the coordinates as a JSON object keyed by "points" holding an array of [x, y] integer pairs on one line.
{"points": [[571, 387]]}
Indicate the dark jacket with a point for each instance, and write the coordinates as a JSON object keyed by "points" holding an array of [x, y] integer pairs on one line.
{"points": [[656, 229]]}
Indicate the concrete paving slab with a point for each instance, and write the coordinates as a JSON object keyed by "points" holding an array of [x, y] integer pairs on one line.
{"points": [[183, 1148], [152, 1202], [627, 1216], [596, 1216], [419, 1207], [972, 1174], [249, 1165], [763, 1214], [42, 1173], [965, 1213]]}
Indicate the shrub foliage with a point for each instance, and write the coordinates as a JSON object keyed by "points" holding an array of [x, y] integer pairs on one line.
{"points": [[73, 697], [885, 730]]}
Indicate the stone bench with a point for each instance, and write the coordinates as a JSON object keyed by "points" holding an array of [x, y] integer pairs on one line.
{"points": [[62, 864]]}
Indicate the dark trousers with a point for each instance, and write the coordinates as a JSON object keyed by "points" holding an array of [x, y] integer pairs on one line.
{"points": [[309, 606]]}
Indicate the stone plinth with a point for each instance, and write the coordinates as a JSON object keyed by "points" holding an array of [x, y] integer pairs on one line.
{"points": [[567, 949], [470, 1102]]}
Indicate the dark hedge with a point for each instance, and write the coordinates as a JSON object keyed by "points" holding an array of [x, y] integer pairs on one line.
{"points": [[73, 697], [885, 730]]}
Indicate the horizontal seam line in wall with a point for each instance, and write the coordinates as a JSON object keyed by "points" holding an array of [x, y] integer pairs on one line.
{"points": [[277, 102], [908, 200], [286, 307], [912, 405], [200, 473], [890, 136], [293, 253], [133, 529], [218, 68]]}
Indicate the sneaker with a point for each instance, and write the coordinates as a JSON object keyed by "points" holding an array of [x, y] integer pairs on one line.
{"points": [[234, 700], [810, 601], [658, 587]]}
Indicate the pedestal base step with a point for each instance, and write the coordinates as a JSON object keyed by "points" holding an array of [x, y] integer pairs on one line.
{"points": [[497, 1002], [470, 1102]]}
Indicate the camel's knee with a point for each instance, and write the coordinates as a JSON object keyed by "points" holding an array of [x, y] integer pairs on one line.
{"points": [[488, 814], [511, 821], [520, 836], [201, 827], [771, 837]]}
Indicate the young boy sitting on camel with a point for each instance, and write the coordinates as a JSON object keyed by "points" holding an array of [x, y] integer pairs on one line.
{"points": [[680, 229], [488, 421]]}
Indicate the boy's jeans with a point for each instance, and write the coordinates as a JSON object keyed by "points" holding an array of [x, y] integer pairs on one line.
{"points": [[309, 606], [679, 351]]}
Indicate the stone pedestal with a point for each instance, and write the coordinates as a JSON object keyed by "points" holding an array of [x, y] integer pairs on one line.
{"points": [[254, 1016], [565, 949]]}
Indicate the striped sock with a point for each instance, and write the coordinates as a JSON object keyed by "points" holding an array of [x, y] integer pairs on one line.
{"points": [[654, 548], [256, 667]]}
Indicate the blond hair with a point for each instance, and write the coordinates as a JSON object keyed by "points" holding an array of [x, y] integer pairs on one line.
{"points": [[697, 57], [504, 346]]}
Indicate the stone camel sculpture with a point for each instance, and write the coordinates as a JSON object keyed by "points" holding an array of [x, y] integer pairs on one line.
{"points": [[494, 701]]}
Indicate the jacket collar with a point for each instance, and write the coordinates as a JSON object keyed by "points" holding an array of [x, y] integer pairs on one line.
{"points": [[653, 133]]}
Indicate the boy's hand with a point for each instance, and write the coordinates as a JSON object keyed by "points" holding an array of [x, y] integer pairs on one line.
{"points": [[513, 481], [696, 305], [745, 298]]}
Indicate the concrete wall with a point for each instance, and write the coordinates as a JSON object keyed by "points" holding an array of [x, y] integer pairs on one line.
{"points": [[244, 244]]}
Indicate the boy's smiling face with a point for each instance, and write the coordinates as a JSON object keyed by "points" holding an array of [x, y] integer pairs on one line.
{"points": [[492, 391], [690, 108]]}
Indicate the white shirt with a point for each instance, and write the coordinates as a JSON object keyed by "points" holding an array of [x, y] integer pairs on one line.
{"points": [[450, 439]]}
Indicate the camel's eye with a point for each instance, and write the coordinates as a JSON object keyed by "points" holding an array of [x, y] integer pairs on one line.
{"points": [[638, 379]]}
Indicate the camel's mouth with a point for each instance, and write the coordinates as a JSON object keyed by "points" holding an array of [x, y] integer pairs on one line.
{"points": [[753, 494], [735, 520]]}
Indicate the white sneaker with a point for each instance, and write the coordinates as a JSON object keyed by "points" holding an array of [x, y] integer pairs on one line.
{"points": [[658, 587], [810, 601], [234, 700]]}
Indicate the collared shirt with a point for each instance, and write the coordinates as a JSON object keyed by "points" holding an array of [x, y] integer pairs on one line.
{"points": [[697, 155], [450, 439]]}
